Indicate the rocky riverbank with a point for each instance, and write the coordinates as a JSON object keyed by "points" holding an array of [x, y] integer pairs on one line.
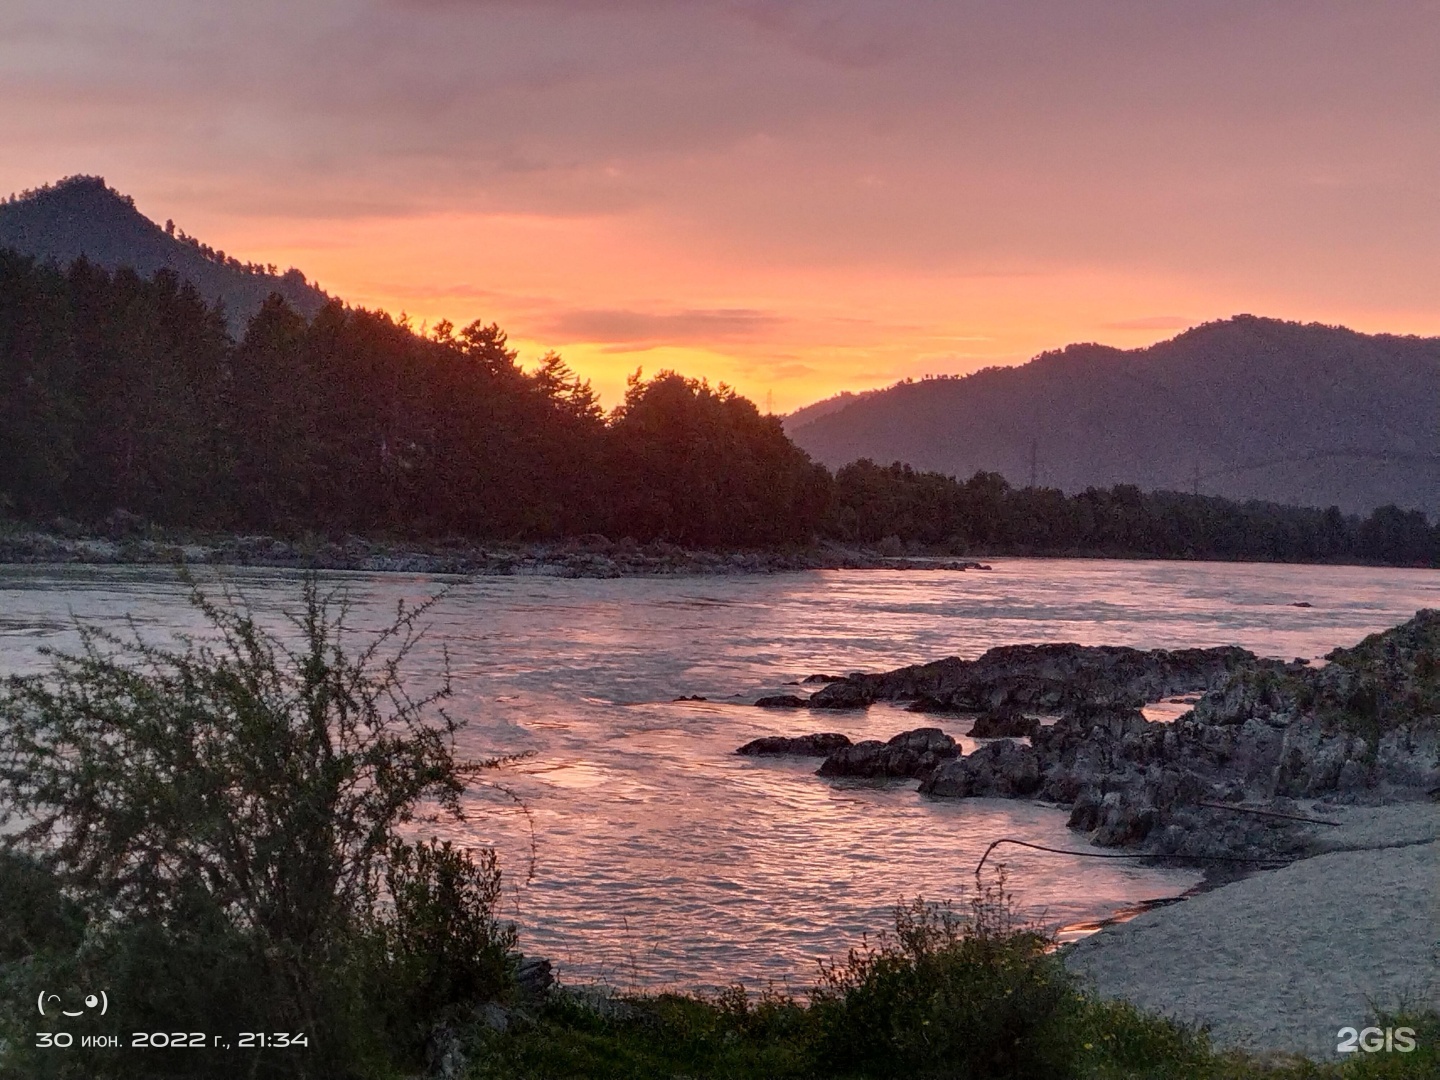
{"points": [[1219, 783], [127, 542]]}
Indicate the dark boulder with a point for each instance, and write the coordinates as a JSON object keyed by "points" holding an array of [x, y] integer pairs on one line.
{"points": [[925, 740], [1000, 723], [817, 745], [781, 701], [910, 754], [927, 704], [1001, 769], [1206, 832], [534, 976], [844, 694], [1115, 819], [860, 759], [1110, 720]]}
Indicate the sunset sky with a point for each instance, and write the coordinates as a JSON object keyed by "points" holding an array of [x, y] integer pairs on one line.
{"points": [[796, 198]]}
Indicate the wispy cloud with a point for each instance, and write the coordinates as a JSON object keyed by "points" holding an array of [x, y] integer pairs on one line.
{"points": [[618, 327]]}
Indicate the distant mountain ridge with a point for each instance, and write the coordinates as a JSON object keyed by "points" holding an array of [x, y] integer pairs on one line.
{"points": [[802, 416], [1245, 407], [82, 216]]}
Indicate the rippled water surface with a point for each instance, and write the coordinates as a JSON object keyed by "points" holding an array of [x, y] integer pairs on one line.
{"points": [[660, 857]]}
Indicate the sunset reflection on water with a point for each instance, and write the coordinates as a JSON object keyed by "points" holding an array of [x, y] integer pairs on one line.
{"points": [[662, 858]]}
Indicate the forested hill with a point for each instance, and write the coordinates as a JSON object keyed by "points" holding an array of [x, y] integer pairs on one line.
{"points": [[1243, 408], [81, 216]]}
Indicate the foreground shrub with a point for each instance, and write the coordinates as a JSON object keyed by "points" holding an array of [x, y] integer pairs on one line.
{"points": [[207, 832], [1119, 1040], [946, 995], [443, 947], [35, 915]]}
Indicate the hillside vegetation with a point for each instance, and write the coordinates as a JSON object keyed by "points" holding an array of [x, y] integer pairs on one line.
{"points": [[81, 217]]}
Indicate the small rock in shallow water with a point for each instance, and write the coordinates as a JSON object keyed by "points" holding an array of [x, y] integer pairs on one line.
{"points": [[781, 701], [911, 754], [817, 745], [927, 704], [843, 694]]}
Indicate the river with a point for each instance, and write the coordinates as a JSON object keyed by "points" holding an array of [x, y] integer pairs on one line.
{"points": [[660, 858]]}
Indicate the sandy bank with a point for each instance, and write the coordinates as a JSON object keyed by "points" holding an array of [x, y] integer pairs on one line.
{"points": [[1284, 959]]}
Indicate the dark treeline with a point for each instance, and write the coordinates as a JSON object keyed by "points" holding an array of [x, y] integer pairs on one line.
{"points": [[118, 392], [871, 503]]}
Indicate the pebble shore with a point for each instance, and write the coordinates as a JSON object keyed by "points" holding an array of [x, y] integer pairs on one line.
{"points": [[583, 558], [1282, 960]]}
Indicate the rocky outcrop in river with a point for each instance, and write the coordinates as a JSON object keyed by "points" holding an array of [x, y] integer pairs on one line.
{"points": [[1364, 727], [1040, 678], [781, 701]]}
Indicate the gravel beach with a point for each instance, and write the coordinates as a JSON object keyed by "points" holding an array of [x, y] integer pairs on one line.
{"points": [[1281, 960]]}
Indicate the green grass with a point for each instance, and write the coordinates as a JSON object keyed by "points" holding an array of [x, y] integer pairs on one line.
{"points": [[666, 1035], [687, 1036]]}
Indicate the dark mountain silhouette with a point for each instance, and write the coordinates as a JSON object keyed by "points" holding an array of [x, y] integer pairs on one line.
{"points": [[81, 216], [1244, 408]]}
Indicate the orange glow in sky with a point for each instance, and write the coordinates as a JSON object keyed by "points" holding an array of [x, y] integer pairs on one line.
{"points": [[611, 299], [794, 197]]}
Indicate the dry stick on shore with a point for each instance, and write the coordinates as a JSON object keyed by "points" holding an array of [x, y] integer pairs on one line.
{"points": [[1146, 854], [1120, 855]]}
